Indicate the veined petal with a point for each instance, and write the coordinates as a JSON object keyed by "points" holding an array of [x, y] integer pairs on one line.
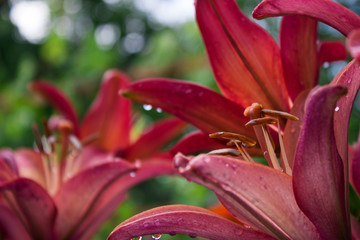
{"points": [[35, 204], [330, 51], [154, 138], [327, 11], [298, 44], [318, 172], [90, 156], [257, 193], [109, 114], [182, 219], [200, 106], [77, 196], [245, 59], [58, 100], [10, 225], [353, 44]]}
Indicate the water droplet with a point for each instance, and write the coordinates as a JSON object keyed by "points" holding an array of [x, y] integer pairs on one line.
{"points": [[159, 110], [157, 223], [188, 91], [132, 174], [337, 109], [239, 232], [147, 107], [172, 233], [326, 64], [226, 165], [192, 235], [136, 238], [146, 224], [180, 221], [156, 236]]}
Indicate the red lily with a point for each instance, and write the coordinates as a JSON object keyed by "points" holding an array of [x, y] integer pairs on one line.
{"points": [[64, 190], [310, 204], [248, 66]]}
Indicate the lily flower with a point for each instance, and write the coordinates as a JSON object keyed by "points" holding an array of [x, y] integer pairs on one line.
{"points": [[249, 66], [308, 202], [79, 173]]}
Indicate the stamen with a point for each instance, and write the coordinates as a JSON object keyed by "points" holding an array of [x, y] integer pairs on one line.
{"points": [[279, 114], [225, 151], [37, 136], [260, 121], [270, 148], [283, 158]]}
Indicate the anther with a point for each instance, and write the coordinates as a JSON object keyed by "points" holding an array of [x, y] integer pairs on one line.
{"points": [[260, 121], [225, 151], [37, 136]]}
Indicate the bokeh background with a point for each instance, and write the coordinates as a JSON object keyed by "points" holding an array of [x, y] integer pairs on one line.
{"points": [[71, 43]]}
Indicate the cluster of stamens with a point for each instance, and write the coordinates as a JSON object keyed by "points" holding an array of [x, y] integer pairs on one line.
{"points": [[58, 148], [261, 123]]}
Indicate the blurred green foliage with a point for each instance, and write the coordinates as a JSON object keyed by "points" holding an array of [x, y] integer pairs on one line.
{"points": [[71, 57]]}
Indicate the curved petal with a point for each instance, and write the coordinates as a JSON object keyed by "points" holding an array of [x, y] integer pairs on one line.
{"points": [[154, 138], [10, 226], [327, 11], [200, 106], [353, 44], [330, 51], [35, 204], [182, 219], [58, 100], [355, 228], [245, 59], [78, 195], [354, 167], [109, 114], [259, 194], [8, 167], [90, 157], [318, 172], [298, 44]]}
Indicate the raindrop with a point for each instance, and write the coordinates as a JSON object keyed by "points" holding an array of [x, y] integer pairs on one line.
{"points": [[132, 174], [192, 235], [337, 109], [136, 238], [157, 223], [159, 110], [326, 64], [156, 236], [188, 91], [146, 224], [239, 232], [180, 221], [147, 107], [172, 233]]}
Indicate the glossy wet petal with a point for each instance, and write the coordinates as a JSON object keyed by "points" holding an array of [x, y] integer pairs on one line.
{"points": [[57, 99], [327, 11], [182, 219], [318, 172], [259, 194], [36, 205], [11, 226], [353, 44], [109, 115], [245, 59], [76, 196], [200, 106], [298, 44], [154, 138]]}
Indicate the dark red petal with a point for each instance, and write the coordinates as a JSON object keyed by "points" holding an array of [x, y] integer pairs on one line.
{"points": [[58, 100], [79, 194], [255, 194], [330, 51], [35, 204], [200, 106], [182, 219], [10, 225], [318, 172], [353, 44], [245, 59], [109, 114], [327, 11], [298, 44], [154, 138]]}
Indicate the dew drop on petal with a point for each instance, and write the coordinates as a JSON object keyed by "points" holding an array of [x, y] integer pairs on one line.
{"points": [[159, 110], [136, 238], [192, 235], [180, 221], [146, 224], [326, 64], [156, 236], [147, 107], [157, 223], [239, 232], [132, 174], [337, 109], [172, 233]]}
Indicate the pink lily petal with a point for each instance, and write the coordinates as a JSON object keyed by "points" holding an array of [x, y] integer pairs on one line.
{"points": [[58, 100], [196, 142], [154, 138], [8, 166], [353, 44], [245, 59], [10, 225], [298, 43], [355, 228], [318, 161], [109, 115], [76, 196], [293, 128], [182, 219], [200, 106], [30, 165], [327, 11], [355, 168], [90, 157], [36, 205], [257, 193], [330, 51]]}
